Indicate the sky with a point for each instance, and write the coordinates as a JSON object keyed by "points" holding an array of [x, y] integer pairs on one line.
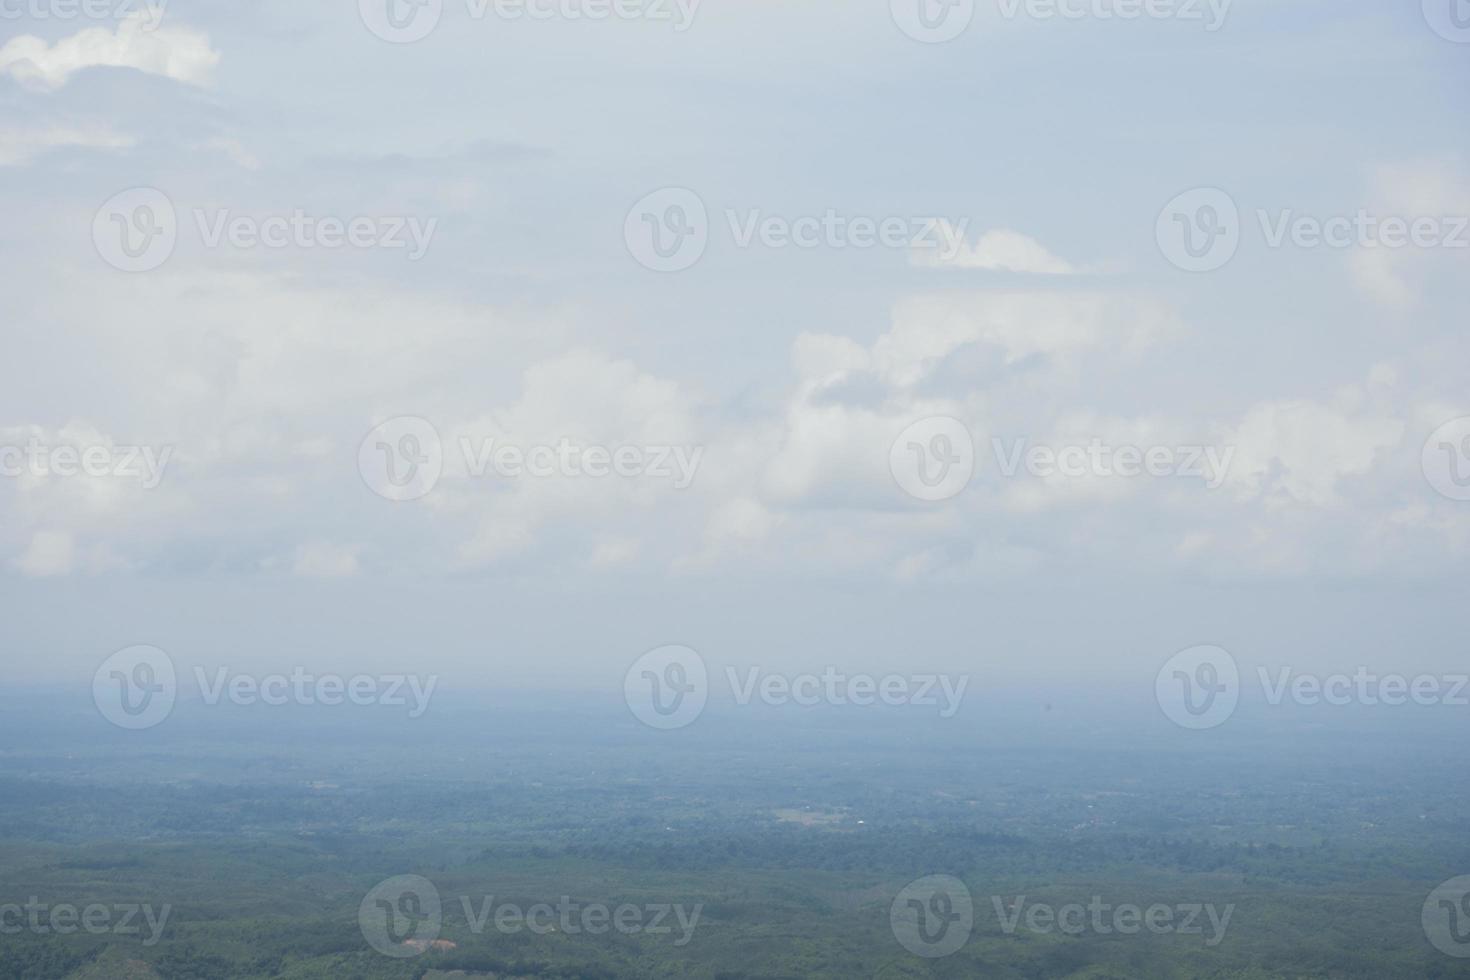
{"points": [[514, 340]]}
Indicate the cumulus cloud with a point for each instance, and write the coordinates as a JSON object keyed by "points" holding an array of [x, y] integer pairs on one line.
{"points": [[52, 553], [175, 52], [931, 326], [1434, 189], [585, 398], [1300, 451], [1000, 250], [612, 552], [49, 553], [323, 559], [20, 145]]}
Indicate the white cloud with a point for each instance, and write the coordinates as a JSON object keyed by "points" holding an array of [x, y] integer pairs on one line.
{"points": [[613, 552], [1437, 189], [1300, 450], [931, 326], [50, 553], [589, 399], [1378, 274], [1001, 250], [21, 145], [234, 150], [322, 559], [180, 53], [53, 553]]}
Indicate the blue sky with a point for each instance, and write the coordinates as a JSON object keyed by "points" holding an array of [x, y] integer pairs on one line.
{"points": [[529, 320]]}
